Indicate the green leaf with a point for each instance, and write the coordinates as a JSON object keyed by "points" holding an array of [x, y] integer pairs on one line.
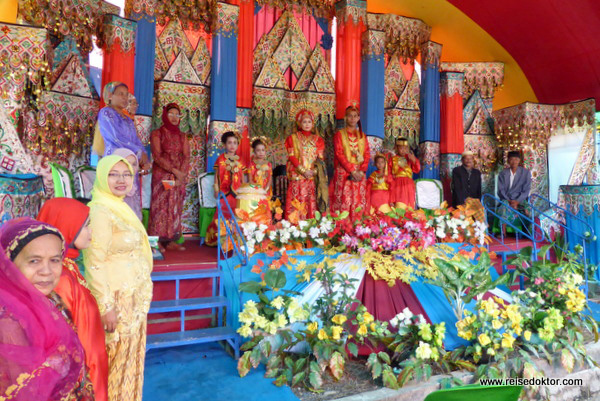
{"points": [[299, 364], [251, 344], [353, 349], [389, 379], [275, 278], [298, 377], [281, 381], [264, 299], [384, 357], [255, 357], [289, 362], [244, 364], [427, 371], [317, 215], [567, 360], [466, 365], [405, 375], [376, 370], [314, 378], [336, 365], [265, 348], [251, 287]]}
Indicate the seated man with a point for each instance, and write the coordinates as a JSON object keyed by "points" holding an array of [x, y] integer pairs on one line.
{"points": [[514, 185], [466, 181]]}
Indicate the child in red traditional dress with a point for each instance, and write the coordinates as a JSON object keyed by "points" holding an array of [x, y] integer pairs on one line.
{"points": [[304, 148], [229, 176], [260, 171], [402, 166], [379, 184], [348, 187]]}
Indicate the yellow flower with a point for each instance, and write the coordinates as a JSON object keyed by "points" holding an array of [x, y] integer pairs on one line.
{"points": [[336, 331], [496, 324], [484, 339], [245, 331], [527, 335], [490, 351], [467, 335], [368, 318], [271, 328], [561, 290], [423, 351], [277, 303], [507, 341], [312, 327], [261, 322], [362, 330], [373, 327], [322, 335], [281, 320], [339, 319]]}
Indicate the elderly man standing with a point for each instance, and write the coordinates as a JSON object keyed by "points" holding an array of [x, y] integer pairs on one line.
{"points": [[466, 181], [514, 185]]}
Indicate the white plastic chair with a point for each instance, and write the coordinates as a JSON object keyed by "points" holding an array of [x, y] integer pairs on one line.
{"points": [[208, 203], [430, 193]]}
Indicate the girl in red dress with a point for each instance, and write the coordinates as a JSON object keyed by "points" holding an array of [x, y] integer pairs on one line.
{"points": [[349, 184], [380, 183], [229, 177], [304, 148], [260, 171], [402, 166]]}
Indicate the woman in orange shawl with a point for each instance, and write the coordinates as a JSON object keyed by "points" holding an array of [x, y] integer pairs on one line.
{"points": [[349, 184], [71, 218]]}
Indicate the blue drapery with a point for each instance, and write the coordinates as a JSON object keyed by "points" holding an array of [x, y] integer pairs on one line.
{"points": [[223, 78], [430, 114], [145, 41], [372, 91]]}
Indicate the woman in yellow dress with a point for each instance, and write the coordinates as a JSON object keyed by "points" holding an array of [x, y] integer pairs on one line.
{"points": [[118, 266]]}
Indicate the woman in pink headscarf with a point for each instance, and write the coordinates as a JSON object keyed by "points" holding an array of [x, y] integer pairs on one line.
{"points": [[41, 357]]}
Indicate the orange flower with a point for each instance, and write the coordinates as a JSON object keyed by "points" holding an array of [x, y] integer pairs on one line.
{"points": [[257, 268]]}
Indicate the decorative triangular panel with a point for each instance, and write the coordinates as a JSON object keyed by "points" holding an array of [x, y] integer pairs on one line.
{"points": [[475, 108], [267, 44], [173, 39], [323, 80], [74, 80], [161, 65], [305, 79], [409, 99], [182, 71], [62, 55], [271, 76], [395, 82], [201, 61], [480, 124], [13, 158], [300, 48]]}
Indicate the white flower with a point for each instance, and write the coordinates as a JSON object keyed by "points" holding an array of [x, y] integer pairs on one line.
{"points": [[320, 241], [259, 237], [263, 228], [250, 244], [314, 232], [303, 224], [440, 233], [285, 224], [273, 235]]}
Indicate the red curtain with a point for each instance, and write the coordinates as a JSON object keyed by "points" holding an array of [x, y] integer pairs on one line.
{"points": [[118, 66], [451, 124], [245, 53], [348, 60]]}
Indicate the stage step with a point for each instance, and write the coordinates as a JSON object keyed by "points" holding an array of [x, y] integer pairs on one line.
{"points": [[185, 274], [188, 304], [190, 337]]}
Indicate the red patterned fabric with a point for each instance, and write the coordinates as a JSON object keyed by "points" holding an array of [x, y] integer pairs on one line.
{"points": [[261, 175], [348, 195]]}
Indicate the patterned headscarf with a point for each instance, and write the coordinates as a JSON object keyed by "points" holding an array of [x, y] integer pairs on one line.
{"points": [[109, 89], [302, 114], [17, 233]]}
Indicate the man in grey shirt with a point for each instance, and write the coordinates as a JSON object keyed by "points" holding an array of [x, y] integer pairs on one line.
{"points": [[514, 185]]}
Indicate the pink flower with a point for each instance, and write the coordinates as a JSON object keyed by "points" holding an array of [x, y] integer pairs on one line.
{"points": [[538, 281]]}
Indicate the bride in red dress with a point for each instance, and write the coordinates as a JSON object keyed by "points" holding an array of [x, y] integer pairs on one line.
{"points": [[349, 184], [304, 148]]}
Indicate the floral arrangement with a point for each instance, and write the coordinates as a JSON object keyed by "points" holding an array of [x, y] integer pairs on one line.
{"points": [[324, 332], [416, 349]]}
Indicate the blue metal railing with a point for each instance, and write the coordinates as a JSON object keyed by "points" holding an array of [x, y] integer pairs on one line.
{"points": [[583, 237], [535, 233], [235, 242]]}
